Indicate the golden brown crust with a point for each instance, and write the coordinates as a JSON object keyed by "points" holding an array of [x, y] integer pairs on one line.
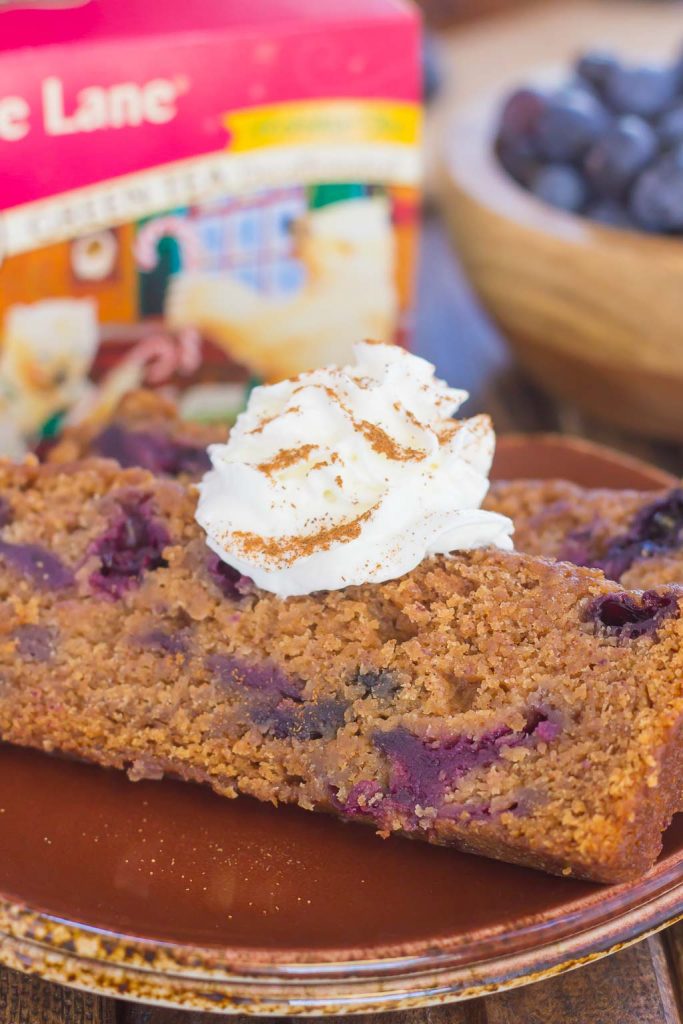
{"points": [[559, 519], [546, 512], [138, 411]]}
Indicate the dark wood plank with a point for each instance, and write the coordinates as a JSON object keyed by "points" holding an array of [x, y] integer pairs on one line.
{"points": [[631, 987], [28, 1000], [673, 943], [130, 1013], [456, 1013]]}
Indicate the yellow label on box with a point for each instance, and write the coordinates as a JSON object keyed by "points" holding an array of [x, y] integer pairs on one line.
{"points": [[317, 121]]}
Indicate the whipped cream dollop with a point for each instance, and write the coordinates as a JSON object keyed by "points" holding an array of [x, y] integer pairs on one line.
{"points": [[350, 475]]}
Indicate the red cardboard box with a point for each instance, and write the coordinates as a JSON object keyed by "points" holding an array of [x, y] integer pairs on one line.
{"points": [[197, 195]]}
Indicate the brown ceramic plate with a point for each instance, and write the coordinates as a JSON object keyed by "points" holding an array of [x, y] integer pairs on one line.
{"points": [[161, 891]]}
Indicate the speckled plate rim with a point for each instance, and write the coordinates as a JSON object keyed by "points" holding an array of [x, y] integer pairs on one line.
{"points": [[362, 980], [422, 974]]}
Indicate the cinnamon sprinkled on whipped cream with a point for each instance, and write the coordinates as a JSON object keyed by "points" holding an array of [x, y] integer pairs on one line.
{"points": [[285, 458], [350, 475]]}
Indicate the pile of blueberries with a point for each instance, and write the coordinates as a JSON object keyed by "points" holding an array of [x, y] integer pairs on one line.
{"points": [[608, 144]]}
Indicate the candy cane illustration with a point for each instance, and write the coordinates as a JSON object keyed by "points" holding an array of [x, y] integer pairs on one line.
{"points": [[160, 355], [172, 226], [156, 356], [154, 360], [190, 350]]}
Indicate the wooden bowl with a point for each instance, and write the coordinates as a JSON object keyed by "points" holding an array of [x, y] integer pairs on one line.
{"points": [[594, 313]]}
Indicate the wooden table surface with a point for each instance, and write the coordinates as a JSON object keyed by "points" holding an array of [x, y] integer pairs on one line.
{"points": [[640, 985]]}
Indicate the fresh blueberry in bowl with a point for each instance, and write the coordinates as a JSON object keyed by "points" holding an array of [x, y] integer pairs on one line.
{"points": [[617, 158], [520, 116], [594, 67], [670, 126], [606, 144], [646, 90], [570, 121], [657, 199], [519, 159], [611, 213], [566, 210], [560, 184]]}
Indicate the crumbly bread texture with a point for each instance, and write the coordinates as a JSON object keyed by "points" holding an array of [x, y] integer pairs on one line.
{"points": [[635, 537], [144, 430], [508, 705]]}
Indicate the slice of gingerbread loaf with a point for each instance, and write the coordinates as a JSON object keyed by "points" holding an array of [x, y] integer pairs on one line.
{"points": [[144, 430], [635, 537], [504, 704]]}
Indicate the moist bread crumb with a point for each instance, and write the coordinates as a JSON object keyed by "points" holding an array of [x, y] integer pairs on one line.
{"points": [[498, 702]]}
